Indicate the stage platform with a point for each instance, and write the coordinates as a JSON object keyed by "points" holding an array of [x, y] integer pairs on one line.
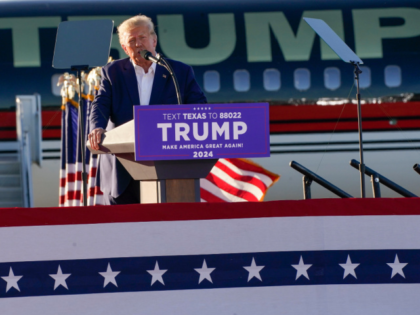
{"points": [[324, 256]]}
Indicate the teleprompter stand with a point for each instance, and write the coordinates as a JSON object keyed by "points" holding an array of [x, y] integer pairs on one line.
{"points": [[160, 181], [347, 55], [81, 45]]}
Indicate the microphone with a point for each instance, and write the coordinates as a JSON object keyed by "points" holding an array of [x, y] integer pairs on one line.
{"points": [[148, 56]]}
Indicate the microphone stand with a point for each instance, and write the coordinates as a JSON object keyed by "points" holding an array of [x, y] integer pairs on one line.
{"points": [[164, 63], [357, 71], [167, 66]]}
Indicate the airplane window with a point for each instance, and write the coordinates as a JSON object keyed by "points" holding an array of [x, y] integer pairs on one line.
{"points": [[271, 79], [365, 78], [392, 76], [241, 80], [211, 81], [54, 88], [302, 79], [332, 78]]}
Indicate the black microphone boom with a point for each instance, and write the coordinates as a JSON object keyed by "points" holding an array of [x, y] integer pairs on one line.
{"points": [[148, 56]]}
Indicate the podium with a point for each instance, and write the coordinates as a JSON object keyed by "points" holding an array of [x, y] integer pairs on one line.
{"points": [[160, 181], [169, 148]]}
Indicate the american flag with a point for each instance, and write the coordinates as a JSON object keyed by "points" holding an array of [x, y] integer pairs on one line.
{"points": [[71, 158], [235, 180], [69, 193], [230, 180], [282, 257]]}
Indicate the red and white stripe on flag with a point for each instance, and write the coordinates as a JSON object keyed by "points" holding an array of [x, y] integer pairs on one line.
{"points": [[94, 192], [71, 162], [235, 180], [230, 180]]}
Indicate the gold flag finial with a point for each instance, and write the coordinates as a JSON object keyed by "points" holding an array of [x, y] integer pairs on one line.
{"points": [[68, 91], [94, 80]]}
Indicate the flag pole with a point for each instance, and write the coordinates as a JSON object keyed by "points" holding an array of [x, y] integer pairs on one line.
{"points": [[81, 131]]}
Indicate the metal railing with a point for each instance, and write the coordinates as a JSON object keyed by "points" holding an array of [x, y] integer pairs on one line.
{"points": [[29, 137], [377, 179], [309, 177], [26, 169]]}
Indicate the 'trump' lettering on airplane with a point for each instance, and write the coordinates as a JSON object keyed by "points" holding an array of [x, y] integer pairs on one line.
{"points": [[368, 35]]}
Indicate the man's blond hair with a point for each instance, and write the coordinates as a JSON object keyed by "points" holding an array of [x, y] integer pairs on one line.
{"points": [[135, 21]]}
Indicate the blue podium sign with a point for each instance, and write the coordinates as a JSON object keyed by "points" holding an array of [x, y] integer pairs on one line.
{"points": [[201, 131]]}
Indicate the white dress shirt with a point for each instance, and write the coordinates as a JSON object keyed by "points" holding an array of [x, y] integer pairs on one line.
{"points": [[144, 82]]}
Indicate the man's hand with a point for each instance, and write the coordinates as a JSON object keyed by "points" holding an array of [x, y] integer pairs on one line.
{"points": [[95, 138]]}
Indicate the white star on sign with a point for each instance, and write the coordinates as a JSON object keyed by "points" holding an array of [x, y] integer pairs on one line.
{"points": [[349, 268], [397, 267], [254, 270], [12, 280], [301, 269], [60, 278], [157, 274], [109, 276], [204, 272]]}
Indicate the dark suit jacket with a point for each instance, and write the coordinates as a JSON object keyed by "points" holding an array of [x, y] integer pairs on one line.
{"points": [[113, 106]]}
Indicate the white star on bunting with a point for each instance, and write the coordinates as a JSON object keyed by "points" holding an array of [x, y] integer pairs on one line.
{"points": [[157, 274], [109, 276], [254, 270], [60, 278], [204, 272], [12, 280], [349, 268], [301, 269], [397, 267]]}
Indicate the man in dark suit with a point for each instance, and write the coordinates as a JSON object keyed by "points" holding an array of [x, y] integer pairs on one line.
{"points": [[128, 82]]}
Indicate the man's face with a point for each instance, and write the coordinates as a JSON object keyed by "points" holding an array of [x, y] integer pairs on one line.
{"points": [[136, 40]]}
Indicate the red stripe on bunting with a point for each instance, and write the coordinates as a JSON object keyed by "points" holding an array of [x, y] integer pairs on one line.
{"points": [[208, 211]]}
